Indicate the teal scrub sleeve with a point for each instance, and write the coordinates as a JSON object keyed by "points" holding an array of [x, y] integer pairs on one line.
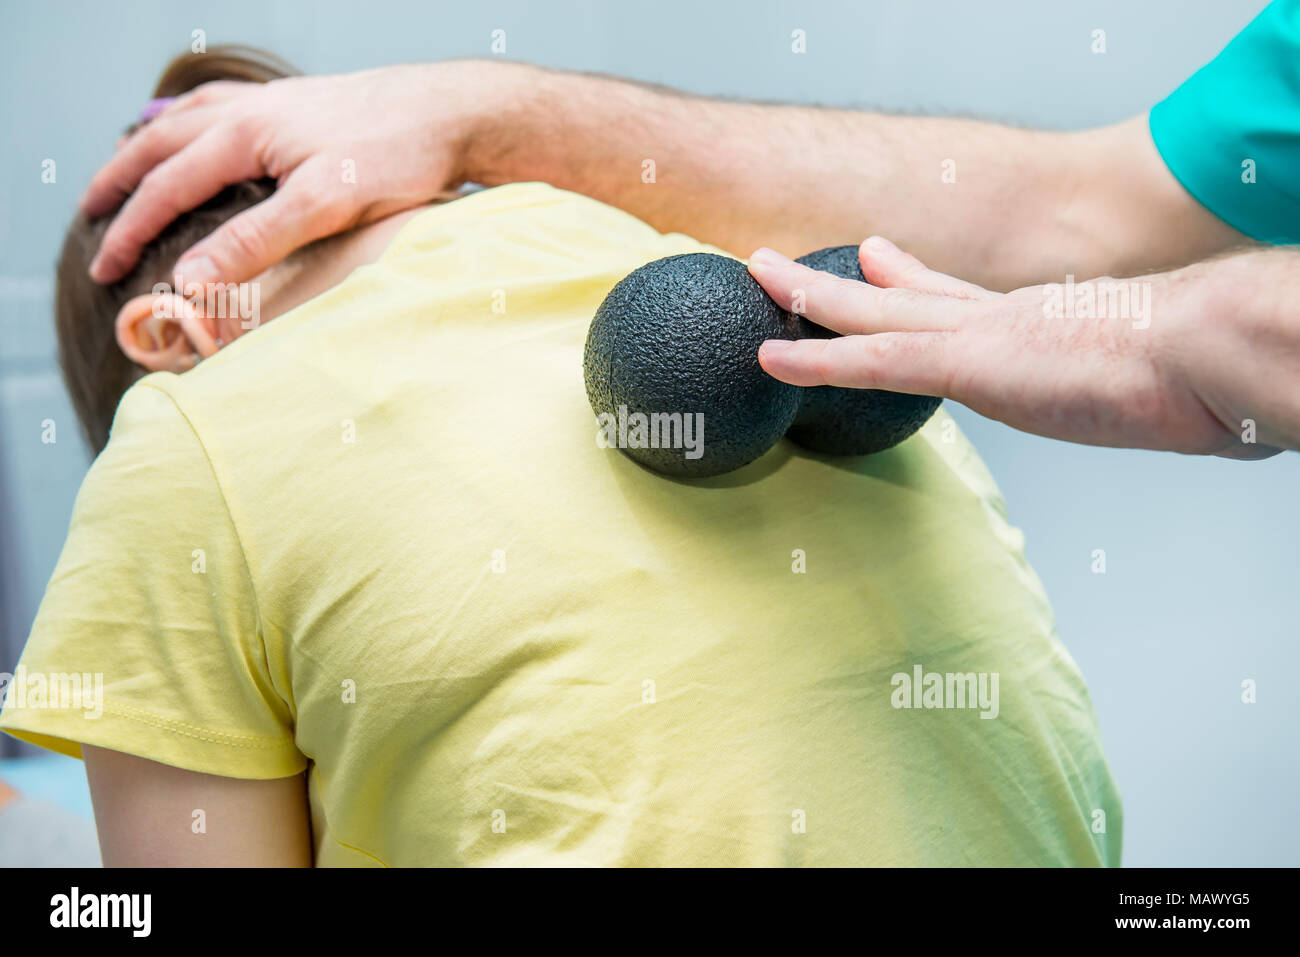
{"points": [[1231, 133]]}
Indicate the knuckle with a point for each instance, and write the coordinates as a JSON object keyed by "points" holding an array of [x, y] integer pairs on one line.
{"points": [[296, 198], [157, 194], [893, 301], [311, 201], [245, 125], [949, 380], [147, 139], [245, 237], [336, 208], [209, 92], [153, 182], [127, 232], [880, 349], [315, 191], [823, 291], [822, 363], [868, 354], [333, 217], [821, 280], [913, 270]]}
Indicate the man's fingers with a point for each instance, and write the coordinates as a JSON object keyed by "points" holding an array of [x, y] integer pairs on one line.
{"points": [[915, 362], [884, 264], [180, 183], [210, 93], [258, 238], [143, 150], [847, 306]]}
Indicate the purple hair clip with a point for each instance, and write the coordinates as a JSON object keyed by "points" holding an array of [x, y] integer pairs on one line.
{"points": [[154, 107]]}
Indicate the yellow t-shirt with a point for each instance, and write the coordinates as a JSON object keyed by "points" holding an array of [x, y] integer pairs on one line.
{"points": [[376, 539]]}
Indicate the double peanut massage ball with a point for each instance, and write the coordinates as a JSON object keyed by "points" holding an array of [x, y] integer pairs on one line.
{"points": [[672, 373]]}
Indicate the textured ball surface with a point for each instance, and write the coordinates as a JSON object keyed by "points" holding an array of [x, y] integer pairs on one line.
{"points": [[679, 337], [839, 421]]}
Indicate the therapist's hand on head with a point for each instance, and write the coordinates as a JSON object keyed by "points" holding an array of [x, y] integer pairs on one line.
{"points": [[1205, 359], [345, 150]]}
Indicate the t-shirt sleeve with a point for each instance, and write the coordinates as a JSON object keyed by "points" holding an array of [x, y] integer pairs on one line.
{"points": [[1231, 133], [148, 639]]}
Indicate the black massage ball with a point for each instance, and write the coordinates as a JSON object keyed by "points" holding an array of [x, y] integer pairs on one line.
{"points": [[672, 369], [839, 421], [672, 373]]}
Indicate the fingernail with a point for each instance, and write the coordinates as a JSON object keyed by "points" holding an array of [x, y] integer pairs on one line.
{"points": [[154, 107], [96, 265], [200, 269], [767, 257], [879, 244], [776, 346]]}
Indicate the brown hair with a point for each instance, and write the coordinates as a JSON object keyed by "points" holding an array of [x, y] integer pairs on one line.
{"points": [[95, 370]]}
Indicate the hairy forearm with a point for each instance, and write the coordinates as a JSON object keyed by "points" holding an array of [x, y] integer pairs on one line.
{"points": [[1001, 206]]}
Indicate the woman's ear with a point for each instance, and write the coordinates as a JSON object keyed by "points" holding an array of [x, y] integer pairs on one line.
{"points": [[164, 332]]}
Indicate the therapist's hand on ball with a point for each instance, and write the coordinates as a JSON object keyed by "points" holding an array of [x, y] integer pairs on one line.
{"points": [[400, 131], [1205, 359]]}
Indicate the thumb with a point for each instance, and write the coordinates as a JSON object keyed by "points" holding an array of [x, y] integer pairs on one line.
{"points": [[258, 238]]}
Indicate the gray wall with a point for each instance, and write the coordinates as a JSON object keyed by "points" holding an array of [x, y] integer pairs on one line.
{"points": [[1200, 591]]}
